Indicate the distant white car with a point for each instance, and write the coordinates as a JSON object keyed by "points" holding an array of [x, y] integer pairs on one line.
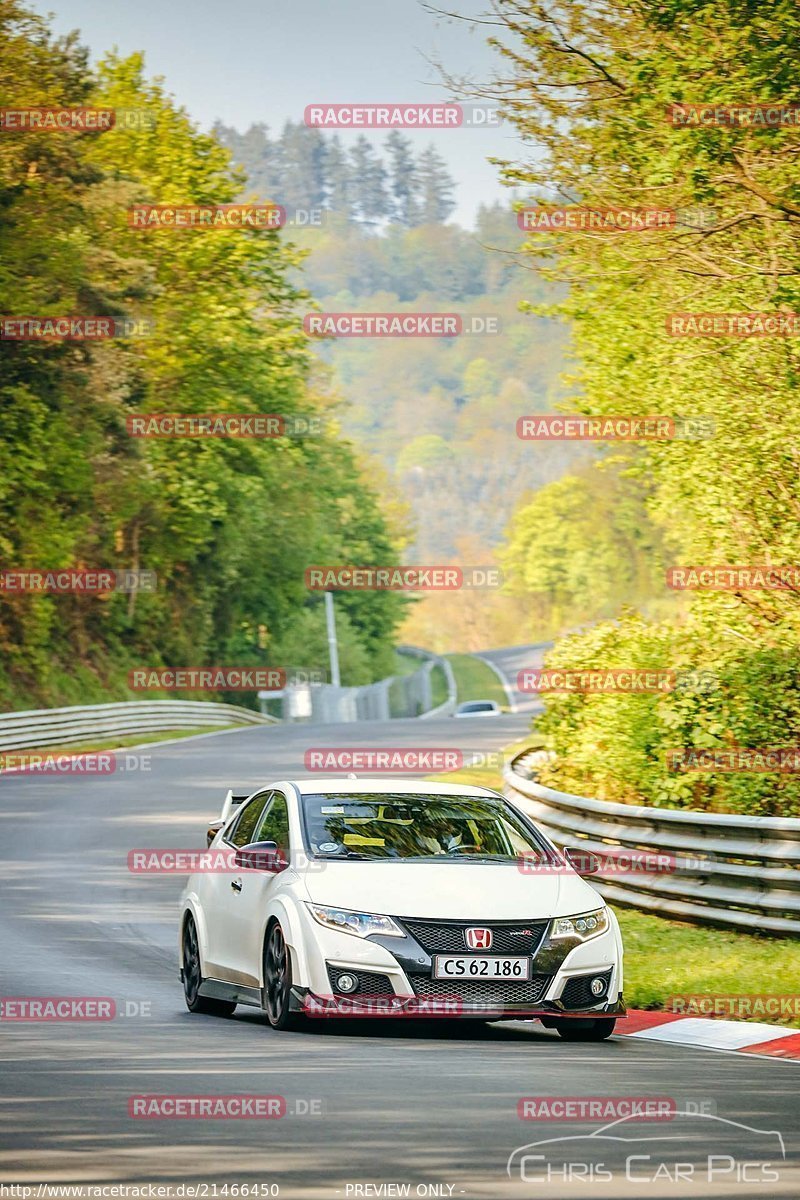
{"points": [[343, 897], [478, 708]]}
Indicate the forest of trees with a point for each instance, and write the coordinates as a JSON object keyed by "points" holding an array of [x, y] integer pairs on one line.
{"points": [[440, 414], [228, 526], [590, 87], [306, 169]]}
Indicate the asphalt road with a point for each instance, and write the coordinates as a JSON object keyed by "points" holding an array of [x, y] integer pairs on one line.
{"points": [[508, 663], [433, 1107]]}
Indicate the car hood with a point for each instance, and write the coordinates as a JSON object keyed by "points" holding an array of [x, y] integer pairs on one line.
{"points": [[450, 891]]}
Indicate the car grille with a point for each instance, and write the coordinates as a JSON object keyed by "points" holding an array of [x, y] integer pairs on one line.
{"points": [[578, 994], [369, 982], [479, 991], [447, 937]]}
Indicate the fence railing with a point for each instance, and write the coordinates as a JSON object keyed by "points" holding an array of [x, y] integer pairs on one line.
{"points": [[396, 696], [99, 722], [722, 869]]}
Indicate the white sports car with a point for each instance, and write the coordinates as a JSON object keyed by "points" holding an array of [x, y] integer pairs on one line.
{"points": [[341, 897]]}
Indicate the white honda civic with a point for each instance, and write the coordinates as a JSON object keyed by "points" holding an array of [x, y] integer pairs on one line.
{"points": [[341, 897]]}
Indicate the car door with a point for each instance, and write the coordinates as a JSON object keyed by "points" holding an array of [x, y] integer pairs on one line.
{"points": [[224, 891], [250, 905]]}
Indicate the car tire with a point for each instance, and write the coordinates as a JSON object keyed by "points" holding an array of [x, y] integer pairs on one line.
{"points": [[278, 980], [578, 1030], [192, 977]]}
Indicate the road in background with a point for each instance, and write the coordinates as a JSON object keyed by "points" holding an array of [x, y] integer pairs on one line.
{"points": [[435, 1104], [508, 663]]}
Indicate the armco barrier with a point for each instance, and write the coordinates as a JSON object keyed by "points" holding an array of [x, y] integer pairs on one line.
{"points": [[732, 871], [396, 696], [96, 722]]}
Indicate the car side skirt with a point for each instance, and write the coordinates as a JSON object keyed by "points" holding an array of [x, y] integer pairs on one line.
{"points": [[220, 989]]}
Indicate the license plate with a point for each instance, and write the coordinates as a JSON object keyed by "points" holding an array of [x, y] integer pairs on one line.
{"points": [[483, 966]]}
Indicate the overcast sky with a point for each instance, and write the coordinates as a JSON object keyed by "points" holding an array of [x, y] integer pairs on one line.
{"points": [[260, 60]]}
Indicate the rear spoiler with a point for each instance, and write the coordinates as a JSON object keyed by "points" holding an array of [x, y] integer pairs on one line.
{"points": [[231, 802]]}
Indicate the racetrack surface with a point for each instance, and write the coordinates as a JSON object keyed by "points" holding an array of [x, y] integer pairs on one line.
{"points": [[408, 1104], [508, 662]]}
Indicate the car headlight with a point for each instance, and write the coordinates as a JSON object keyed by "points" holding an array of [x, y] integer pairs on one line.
{"points": [[358, 923], [581, 928]]}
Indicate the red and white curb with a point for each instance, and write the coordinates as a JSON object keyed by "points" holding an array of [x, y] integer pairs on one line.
{"points": [[746, 1037]]}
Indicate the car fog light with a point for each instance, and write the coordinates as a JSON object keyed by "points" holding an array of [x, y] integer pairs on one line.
{"points": [[346, 983], [598, 986]]}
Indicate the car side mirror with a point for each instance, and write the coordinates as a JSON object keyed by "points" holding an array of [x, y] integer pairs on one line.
{"points": [[212, 831], [582, 861], [261, 856]]}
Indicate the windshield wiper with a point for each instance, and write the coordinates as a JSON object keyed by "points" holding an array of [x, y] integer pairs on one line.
{"points": [[506, 858], [341, 856]]}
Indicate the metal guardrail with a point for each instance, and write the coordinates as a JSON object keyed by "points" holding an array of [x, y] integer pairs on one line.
{"points": [[448, 706], [396, 696], [93, 722], [732, 871]]}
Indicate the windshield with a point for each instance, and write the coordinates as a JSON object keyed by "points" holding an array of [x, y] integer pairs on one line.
{"points": [[421, 827]]}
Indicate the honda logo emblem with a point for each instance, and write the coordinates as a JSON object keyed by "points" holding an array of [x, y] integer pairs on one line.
{"points": [[478, 939]]}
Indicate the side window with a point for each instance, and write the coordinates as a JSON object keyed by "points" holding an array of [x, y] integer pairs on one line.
{"points": [[244, 826], [274, 826]]}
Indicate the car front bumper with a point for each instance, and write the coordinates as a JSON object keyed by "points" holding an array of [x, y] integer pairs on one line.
{"points": [[426, 1008], [399, 983]]}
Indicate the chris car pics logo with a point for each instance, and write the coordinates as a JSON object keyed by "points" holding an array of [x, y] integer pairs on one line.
{"points": [[695, 1151]]}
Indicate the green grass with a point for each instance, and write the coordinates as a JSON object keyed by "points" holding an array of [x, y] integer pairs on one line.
{"points": [[475, 680], [665, 958], [406, 664], [438, 686]]}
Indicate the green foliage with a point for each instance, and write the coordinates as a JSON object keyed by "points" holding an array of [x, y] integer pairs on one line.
{"points": [[730, 693], [228, 525], [475, 680], [589, 84], [581, 547], [408, 396]]}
